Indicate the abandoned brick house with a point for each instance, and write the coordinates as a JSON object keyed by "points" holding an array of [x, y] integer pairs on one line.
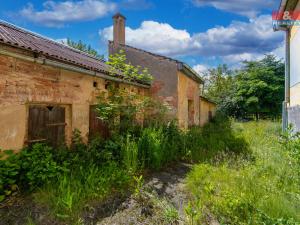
{"points": [[47, 89], [174, 82]]}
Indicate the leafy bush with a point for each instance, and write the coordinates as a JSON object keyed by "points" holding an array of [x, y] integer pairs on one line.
{"points": [[9, 173], [30, 168], [38, 166]]}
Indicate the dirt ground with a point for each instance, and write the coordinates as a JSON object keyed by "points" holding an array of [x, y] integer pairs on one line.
{"points": [[161, 190]]}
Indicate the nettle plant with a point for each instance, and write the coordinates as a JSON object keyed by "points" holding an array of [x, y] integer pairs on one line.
{"points": [[120, 107]]}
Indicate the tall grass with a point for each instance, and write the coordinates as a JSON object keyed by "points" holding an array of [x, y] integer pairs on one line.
{"points": [[69, 193], [263, 191], [129, 151]]}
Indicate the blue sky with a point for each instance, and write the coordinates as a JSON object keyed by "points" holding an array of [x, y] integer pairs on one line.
{"points": [[202, 33]]}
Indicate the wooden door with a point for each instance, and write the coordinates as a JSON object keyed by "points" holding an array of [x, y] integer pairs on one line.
{"points": [[97, 126], [46, 124]]}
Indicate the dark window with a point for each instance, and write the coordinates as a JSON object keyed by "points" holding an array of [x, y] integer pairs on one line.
{"points": [[210, 116], [46, 124], [107, 84], [95, 84], [97, 126]]}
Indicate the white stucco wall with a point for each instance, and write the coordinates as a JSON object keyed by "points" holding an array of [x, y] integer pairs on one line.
{"points": [[295, 64]]}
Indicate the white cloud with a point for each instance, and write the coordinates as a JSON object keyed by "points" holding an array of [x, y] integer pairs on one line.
{"points": [[200, 68], [249, 8], [256, 36], [237, 58], [56, 14], [157, 37], [280, 51], [237, 42]]}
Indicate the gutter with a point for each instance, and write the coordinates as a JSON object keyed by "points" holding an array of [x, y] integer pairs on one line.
{"points": [[68, 67]]}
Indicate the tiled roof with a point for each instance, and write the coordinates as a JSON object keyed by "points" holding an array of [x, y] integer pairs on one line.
{"points": [[21, 38]]}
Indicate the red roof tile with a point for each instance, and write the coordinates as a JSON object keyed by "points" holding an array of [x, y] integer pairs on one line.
{"points": [[21, 38]]}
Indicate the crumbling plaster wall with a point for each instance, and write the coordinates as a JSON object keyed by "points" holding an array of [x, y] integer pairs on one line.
{"points": [[164, 71], [188, 89], [206, 107], [24, 83]]}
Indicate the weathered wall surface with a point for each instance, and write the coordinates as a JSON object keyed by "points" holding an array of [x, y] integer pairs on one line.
{"points": [[163, 70], [188, 90], [24, 83], [205, 108]]}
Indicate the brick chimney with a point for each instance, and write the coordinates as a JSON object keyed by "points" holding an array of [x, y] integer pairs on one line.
{"points": [[119, 29]]}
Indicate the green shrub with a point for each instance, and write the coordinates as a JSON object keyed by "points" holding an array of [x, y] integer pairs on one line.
{"points": [[38, 166], [30, 168], [9, 173]]}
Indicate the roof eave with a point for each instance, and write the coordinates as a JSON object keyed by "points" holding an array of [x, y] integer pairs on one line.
{"points": [[208, 100], [190, 72]]}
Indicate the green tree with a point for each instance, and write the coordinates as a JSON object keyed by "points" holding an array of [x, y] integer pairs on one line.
{"points": [[260, 87], [255, 89], [84, 48], [220, 88]]}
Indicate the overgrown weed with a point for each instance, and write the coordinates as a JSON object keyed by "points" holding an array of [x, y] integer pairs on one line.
{"points": [[69, 193], [264, 191]]}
